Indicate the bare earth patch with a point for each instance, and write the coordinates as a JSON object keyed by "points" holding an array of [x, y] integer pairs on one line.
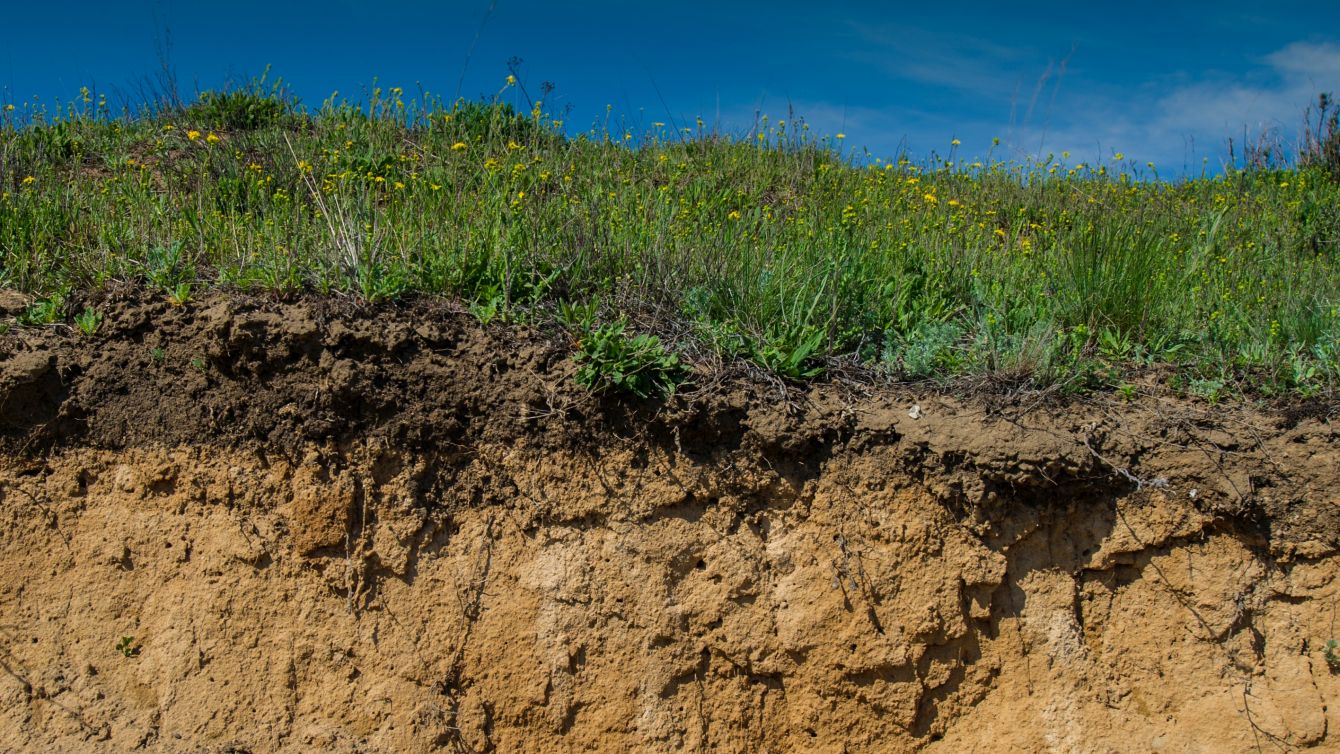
{"points": [[398, 531]]}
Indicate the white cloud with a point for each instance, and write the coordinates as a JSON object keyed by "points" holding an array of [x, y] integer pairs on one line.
{"points": [[1161, 121]]}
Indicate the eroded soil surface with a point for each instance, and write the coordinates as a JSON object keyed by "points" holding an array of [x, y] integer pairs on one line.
{"points": [[250, 526]]}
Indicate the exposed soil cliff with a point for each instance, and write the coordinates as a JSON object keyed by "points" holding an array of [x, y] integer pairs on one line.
{"points": [[251, 526]]}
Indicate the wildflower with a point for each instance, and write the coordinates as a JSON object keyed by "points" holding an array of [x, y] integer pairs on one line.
{"points": [[435, 186], [458, 146], [399, 185], [304, 166], [213, 138], [28, 180], [842, 136], [1119, 156], [929, 198], [512, 146], [955, 143], [9, 108], [511, 79], [193, 135], [734, 215]]}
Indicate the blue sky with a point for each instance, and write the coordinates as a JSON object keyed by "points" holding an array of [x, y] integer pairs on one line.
{"points": [[1163, 82]]}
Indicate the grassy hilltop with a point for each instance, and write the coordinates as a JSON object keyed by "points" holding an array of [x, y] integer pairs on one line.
{"points": [[768, 246]]}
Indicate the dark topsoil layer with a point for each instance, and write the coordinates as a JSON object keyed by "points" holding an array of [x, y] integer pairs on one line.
{"points": [[252, 372]]}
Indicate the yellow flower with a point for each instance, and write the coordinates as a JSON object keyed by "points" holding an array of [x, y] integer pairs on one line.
{"points": [[929, 198], [734, 215], [512, 146], [213, 138], [9, 108], [193, 135], [955, 143], [458, 146], [435, 186], [842, 136], [1119, 156], [28, 180], [511, 79], [399, 185], [304, 166]]}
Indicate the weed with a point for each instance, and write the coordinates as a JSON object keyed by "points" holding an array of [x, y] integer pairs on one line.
{"points": [[157, 354], [791, 352], [128, 647], [179, 294], [258, 104], [199, 364], [1321, 139], [1212, 390], [88, 322], [610, 360], [43, 311], [1332, 658]]}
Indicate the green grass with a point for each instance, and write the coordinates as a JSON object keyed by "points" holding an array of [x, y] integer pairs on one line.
{"points": [[770, 246]]}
